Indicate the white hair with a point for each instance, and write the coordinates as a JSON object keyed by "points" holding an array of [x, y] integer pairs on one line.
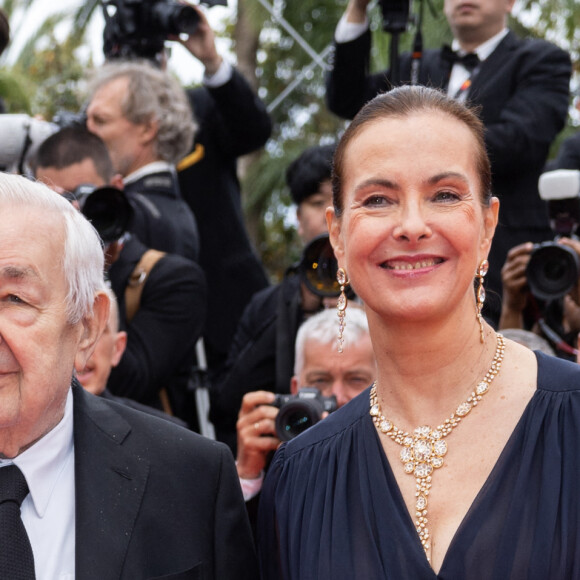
{"points": [[323, 329], [82, 260]]}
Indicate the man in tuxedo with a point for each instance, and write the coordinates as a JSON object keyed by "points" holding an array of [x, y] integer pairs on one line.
{"points": [[113, 493], [521, 87]]}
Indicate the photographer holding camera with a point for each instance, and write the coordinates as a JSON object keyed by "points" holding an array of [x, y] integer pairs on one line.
{"points": [[319, 367], [540, 281], [261, 356], [165, 320], [520, 85], [231, 122]]}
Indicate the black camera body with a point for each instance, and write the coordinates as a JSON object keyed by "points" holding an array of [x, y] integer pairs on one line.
{"points": [[553, 268], [139, 28], [396, 15], [300, 411]]}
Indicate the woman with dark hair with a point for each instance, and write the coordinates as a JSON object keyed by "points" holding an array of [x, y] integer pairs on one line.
{"points": [[460, 461]]}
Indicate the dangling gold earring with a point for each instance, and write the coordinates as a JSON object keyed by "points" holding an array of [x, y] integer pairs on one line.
{"points": [[341, 305], [480, 275]]}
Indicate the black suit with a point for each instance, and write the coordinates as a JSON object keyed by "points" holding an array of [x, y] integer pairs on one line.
{"points": [[568, 154], [522, 89], [232, 122], [154, 500], [162, 335], [162, 220], [262, 353]]}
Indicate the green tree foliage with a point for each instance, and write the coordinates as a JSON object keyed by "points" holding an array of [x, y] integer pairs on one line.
{"points": [[47, 74]]}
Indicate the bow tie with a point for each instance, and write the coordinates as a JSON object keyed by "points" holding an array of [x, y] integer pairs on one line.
{"points": [[469, 60]]}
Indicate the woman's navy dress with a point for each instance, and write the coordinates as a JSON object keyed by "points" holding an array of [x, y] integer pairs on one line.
{"points": [[331, 509]]}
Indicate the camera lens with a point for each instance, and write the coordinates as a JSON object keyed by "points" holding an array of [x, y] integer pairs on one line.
{"points": [[296, 416], [318, 267], [109, 211], [552, 270]]}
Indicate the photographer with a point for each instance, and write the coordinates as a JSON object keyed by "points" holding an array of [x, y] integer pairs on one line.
{"points": [[521, 309], [261, 356], [520, 85], [232, 122], [319, 365], [165, 321], [540, 281], [143, 117]]}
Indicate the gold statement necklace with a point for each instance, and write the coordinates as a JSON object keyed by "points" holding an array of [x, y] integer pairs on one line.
{"points": [[423, 451]]}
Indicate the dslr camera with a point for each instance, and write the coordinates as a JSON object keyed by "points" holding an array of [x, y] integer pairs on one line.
{"points": [[139, 28], [553, 268], [300, 411], [22, 135], [396, 15]]}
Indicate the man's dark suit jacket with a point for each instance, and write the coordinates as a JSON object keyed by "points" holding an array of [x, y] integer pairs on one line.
{"points": [[161, 219], [261, 356], [522, 90], [153, 500], [232, 122], [568, 154], [163, 333]]}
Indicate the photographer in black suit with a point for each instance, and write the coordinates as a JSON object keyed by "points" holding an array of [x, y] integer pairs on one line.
{"points": [[262, 353], [232, 122], [521, 87], [163, 330]]}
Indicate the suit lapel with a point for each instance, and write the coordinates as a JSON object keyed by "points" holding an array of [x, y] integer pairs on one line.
{"points": [[110, 483], [491, 65]]}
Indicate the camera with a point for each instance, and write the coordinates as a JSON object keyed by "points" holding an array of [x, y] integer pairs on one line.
{"points": [[553, 268], [300, 411], [139, 28], [396, 15], [22, 135], [107, 208], [318, 267]]}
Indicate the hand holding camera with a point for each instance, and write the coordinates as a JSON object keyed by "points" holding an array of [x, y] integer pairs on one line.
{"points": [[266, 419], [201, 43], [256, 433]]}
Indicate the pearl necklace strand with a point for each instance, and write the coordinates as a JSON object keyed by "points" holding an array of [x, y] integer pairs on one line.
{"points": [[423, 451]]}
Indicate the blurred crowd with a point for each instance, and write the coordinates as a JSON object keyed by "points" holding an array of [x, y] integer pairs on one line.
{"points": [[198, 334]]}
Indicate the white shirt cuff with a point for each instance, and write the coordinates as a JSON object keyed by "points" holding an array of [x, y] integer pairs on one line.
{"points": [[349, 31], [220, 77], [251, 487]]}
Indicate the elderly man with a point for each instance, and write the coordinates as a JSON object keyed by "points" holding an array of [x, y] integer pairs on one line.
{"points": [[113, 493], [144, 118]]}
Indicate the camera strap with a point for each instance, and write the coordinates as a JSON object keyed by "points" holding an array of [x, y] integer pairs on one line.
{"points": [[133, 293], [137, 281]]}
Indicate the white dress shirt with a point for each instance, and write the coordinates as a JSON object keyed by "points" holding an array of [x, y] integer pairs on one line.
{"points": [[459, 74], [349, 31], [48, 511]]}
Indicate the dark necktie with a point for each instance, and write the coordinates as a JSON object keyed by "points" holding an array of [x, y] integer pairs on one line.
{"points": [[16, 559], [470, 60]]}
